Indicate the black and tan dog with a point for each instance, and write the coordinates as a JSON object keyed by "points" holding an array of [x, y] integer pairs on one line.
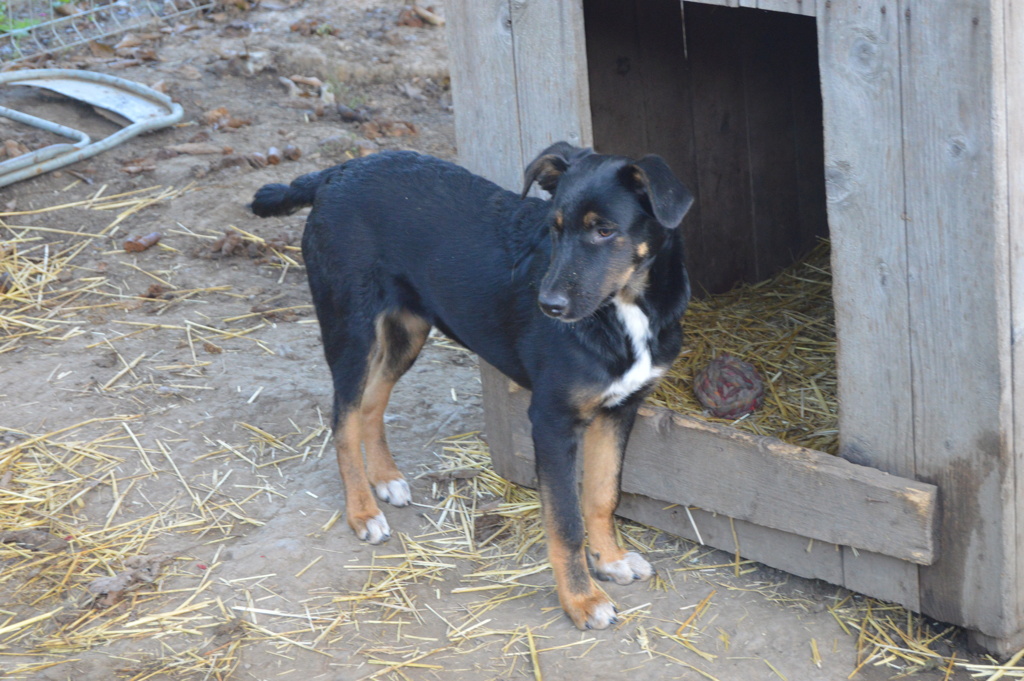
{"points": [[577, 298]]}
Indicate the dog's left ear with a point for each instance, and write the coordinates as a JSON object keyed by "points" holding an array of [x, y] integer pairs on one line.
{"points": [[669, 198], [548, 167]]}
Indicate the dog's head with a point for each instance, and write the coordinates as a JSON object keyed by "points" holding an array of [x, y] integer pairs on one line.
{"points": [[609, 217]]}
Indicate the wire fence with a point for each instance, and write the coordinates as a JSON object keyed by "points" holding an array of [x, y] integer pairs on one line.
{"points": [[35, 28]]}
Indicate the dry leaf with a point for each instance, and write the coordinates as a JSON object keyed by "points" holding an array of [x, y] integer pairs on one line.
{"points": [[409, 18], [386, 127], [66, 10], [189, 72], [308, 80], [214, 116], [101, 50], [129, 41]]}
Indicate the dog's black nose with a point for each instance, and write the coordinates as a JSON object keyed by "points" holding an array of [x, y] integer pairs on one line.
{"points": [[553, 304]]}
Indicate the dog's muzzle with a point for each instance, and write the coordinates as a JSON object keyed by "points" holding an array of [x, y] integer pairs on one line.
{"points": [[553, 304]]}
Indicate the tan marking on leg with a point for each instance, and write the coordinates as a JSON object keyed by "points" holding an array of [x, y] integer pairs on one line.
{"points": [[379, 462], [385, 368], [586, 604], [360, 507], [587, 402], [601, 461]]}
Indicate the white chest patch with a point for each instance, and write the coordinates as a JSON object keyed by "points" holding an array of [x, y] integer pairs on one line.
{"points": [[638, 329]]}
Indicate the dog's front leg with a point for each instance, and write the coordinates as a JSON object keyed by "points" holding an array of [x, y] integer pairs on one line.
{"points": [[555, 437], [604, 443]]}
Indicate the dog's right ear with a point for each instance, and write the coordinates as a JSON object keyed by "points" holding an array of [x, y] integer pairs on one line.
{"points": [[548, 167]]}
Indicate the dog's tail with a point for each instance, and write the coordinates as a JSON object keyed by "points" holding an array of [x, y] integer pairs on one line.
{"points": [[281, 199]]}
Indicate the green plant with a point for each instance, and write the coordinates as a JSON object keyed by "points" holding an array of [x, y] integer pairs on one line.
{"points": [[9, 24]]}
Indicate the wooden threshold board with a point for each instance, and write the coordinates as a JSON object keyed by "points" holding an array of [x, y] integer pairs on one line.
{"points": [[677, 459]]}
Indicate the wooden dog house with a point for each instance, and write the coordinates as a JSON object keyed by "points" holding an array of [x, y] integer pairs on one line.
{"points": [[897, 128]]}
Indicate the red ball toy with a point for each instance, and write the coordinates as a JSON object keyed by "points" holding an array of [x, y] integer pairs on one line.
{"points": [[728, 387]]}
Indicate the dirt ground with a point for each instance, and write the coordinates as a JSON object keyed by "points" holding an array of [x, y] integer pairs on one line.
{"points": [[162, 418]]}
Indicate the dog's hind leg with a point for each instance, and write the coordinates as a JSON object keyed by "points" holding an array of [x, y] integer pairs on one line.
{"points": [[400, 337], [603, 444], [363, 515], [349, 348]]}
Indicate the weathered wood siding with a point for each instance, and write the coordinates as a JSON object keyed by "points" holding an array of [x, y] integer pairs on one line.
{"points": [[923, 161], [519, 82], [731, 100], [860, 80], [1011, 153], [746, 477], [960, 301], [805, 7]]}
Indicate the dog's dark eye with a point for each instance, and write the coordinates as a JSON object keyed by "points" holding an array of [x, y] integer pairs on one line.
{"points": [[604, 232]]}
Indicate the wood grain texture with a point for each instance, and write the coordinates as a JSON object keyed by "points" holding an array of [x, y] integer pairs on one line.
{"points": [[1012, 156], [924, 127], [683, 459], [767, 43], [859, 57], [551, 74], [722, 149], [730, 99], [508, 435], [641, 101], [782, 550], [482, 65], [616, 74], [959, 297], [808, 135], [807, 8], [718, 3], [680, 459]]}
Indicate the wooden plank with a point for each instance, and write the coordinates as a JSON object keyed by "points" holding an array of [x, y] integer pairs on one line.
{"points": [[498, 420], [666, 103], [859, 53], [721, 148], [640, 97], [881, 576], [718, 3], [508, 435], [683, 459], [1013, 44], [804, 7], [765, 42], [807, 8], [766, 202], [508, 428], [616, 76], [484, 89], [959, 293], [680, 459], [806, 112], [511, 453], [781, 550], [551, 74]]}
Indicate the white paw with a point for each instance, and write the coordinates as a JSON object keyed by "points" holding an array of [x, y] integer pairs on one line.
{"points": [[395, 492], [377, 530], [631, 568], [603, 616]]}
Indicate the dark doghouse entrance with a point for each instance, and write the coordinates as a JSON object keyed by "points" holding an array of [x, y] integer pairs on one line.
{"points": [[731, 98]]}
